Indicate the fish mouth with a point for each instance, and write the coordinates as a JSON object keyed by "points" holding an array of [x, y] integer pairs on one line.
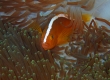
{"points": [[45, 46]]}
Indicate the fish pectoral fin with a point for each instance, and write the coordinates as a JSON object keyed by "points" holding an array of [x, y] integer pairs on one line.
{"points": [[64, 37]]}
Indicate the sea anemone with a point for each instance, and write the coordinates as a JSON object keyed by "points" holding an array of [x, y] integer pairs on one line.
{"points": [[22, 12], [22, 58], [86, 57], [20, 55]]}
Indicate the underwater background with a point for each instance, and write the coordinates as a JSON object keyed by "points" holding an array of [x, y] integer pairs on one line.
{"points": [[22, 57]]}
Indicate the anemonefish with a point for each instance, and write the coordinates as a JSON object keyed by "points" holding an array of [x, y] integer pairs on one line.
{"points": [[56, 33]]}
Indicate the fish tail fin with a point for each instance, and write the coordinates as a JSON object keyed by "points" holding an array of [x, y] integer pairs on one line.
{"points": [[86, 17]]}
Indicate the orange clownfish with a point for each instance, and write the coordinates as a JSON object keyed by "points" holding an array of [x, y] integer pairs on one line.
{"points": [[56, 33]]}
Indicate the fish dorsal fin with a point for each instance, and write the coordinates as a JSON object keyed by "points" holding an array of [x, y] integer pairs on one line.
{"points": [[35, 25]]}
